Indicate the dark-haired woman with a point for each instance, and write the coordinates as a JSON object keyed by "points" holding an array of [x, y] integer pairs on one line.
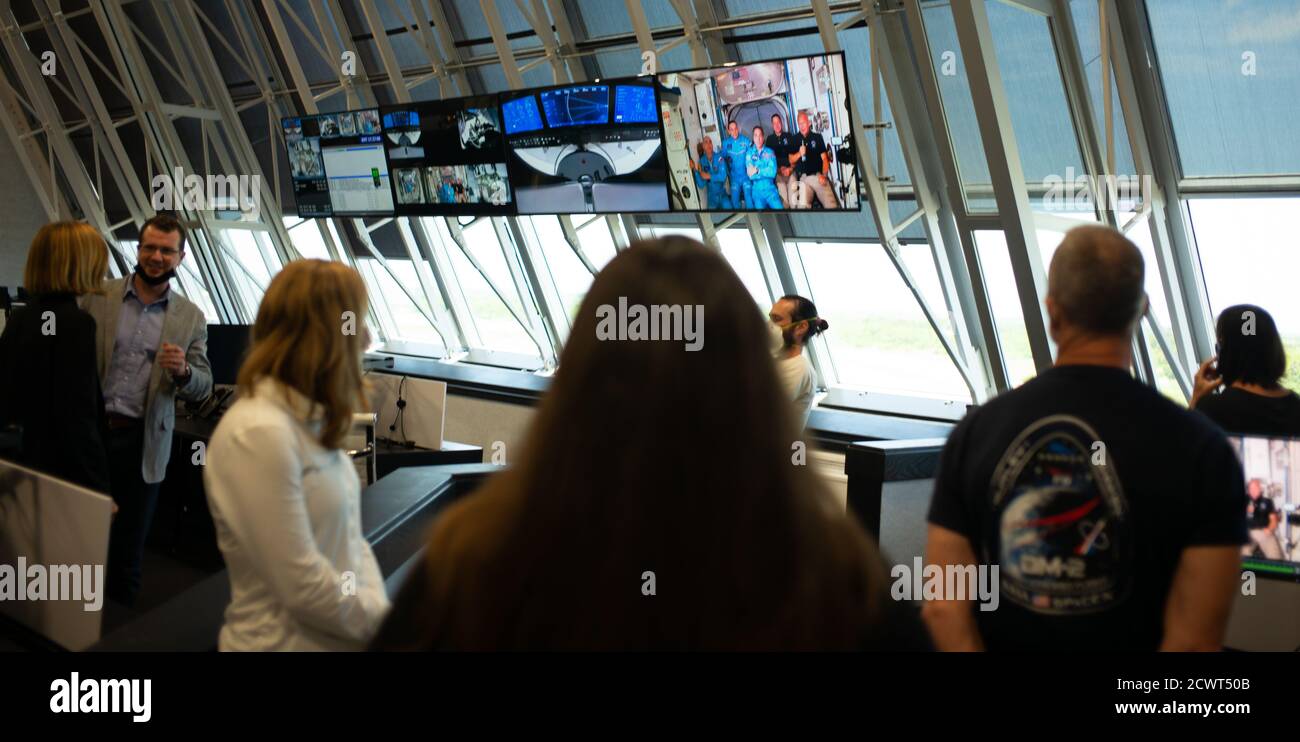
{"points": [[793, 322], [614, 531], [1246, 374]]}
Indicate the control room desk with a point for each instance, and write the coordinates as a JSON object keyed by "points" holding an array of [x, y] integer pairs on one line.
{"points": [[396, 514], [182, 525]]}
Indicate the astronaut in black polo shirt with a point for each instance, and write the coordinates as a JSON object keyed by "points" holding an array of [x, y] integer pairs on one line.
{"points": [[1261, 520], [781, 142], [812, 167]]}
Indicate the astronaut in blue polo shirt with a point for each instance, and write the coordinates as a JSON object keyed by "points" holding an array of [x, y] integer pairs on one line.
{"points": [[446, 193], [760, 168], [711, 174], [735, 148]]}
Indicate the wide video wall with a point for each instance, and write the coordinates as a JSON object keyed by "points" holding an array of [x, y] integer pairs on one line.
{"points": [[761, 136]]}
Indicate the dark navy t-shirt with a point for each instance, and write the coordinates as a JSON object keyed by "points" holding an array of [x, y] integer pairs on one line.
{"points": [[1084, 486]]}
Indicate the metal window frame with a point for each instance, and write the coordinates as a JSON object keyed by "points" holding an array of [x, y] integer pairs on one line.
{"points": [[261, 39]]}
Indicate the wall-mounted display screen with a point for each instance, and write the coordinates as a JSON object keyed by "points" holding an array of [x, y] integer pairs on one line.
{"points": [[765, 135], [336, 162], [587, 148], [448, 157], [1272, 470]]}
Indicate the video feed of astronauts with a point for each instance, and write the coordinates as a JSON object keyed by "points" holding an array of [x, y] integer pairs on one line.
{"points": [[1270, 465], [336, 162], [761, 136], [594, 147], [448, 158]]}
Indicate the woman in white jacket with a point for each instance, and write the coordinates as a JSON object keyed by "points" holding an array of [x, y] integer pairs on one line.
{"points": [[285, 498]]}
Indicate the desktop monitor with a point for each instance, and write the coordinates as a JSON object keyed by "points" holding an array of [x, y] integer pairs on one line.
{"points": [[420, 418], [53, 555], [448, 157], [1272, 469], [593, 147], [337, 164], [227, 345], [702, 104]]}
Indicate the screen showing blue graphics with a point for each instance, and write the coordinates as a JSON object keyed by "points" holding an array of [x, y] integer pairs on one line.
{"points": [[597, 148], [521, 115], [584, 105], [402, 120], [635, 104]]}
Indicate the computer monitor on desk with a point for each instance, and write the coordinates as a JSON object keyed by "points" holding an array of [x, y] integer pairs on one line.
{"points": [[1263, 616], [1272, 469], [411, 411], [53, 551], [227, 345]]}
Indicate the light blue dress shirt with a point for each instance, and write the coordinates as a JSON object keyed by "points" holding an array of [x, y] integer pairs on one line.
{"points": [[139, 333]]}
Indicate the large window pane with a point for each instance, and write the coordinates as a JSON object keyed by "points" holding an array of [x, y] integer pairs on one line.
{"points": [[497, 327], [738, 248], [572, 279], [1040, 114], [1087, 26], [193, 289], [958, 107], [1250, 254], [307, 239], [245, 266], [1160, 363], [1231, 72], [249, 256], [879, 338], [409, 324], [1005, 302]]}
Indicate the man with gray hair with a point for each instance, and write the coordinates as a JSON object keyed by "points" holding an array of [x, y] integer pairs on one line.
{"points": [[1114, 517]]}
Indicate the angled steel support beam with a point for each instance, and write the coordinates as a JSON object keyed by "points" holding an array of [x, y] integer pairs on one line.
{"points": [[1003, 155], [878, 203], [1155, 156], [61, 149], [923, 155], [30, 155]]}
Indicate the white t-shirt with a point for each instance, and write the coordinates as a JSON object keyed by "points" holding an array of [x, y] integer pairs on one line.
{"points": [[800, 381], [288, 518]]}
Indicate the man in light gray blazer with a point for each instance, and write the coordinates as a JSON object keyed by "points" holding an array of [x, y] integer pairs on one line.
{"points": [[152, 348]]}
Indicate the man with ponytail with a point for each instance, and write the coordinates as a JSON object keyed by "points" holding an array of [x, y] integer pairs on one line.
{"points": [[793, 321]]}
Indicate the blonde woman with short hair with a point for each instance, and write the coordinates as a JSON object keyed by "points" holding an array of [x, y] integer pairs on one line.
{"points": [[49, 378], [284, 496]]}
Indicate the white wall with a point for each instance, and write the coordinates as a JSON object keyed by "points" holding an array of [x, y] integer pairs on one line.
{"points": [[483, 422]]}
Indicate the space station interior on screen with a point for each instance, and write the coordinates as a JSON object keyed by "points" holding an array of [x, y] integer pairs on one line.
{"points": [[1272, 470], [447, 157], [768, 135], [594, 147]]}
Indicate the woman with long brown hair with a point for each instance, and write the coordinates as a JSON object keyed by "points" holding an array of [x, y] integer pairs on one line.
{"points": [[49, 377], [655, 505], [284, 497]]}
